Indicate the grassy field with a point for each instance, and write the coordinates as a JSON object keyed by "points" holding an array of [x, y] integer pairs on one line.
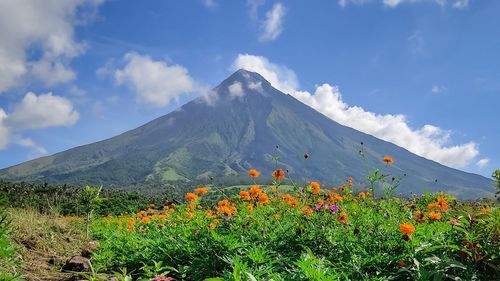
{"points": [[276, 232], [314, 233]]}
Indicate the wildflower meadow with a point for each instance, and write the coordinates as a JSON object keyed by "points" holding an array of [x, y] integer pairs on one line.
{"points": [[305, 231]]}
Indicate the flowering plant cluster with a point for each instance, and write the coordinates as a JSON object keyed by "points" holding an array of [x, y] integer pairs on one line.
{"points": [[315, 232]]}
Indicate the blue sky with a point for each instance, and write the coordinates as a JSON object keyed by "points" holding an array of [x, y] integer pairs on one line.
{"points": [[424, 74]]}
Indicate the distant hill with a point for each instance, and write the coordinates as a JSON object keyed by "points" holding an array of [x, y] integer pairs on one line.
{"points": [[236, 128]]}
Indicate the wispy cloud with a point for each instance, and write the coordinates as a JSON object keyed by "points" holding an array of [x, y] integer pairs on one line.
{"points": [[482, 163], [272, 26], [428, 141], [458, 4]]}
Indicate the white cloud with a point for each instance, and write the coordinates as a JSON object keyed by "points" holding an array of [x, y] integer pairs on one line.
{"points": [[35, 112], [272, 26], [42, 111], [482, 163], [4, 130], [27, 142], [209, 3], [428, 141], [46, 27], [344, 3], [236, 90], [154, 82], [459, 4], [279, 76], [437, 89]]}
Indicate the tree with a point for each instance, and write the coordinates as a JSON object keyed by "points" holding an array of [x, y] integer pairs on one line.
{"points": [[90, 200], [496, 177]]}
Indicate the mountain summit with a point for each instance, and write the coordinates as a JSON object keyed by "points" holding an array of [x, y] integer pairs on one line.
{"points": [[243, 123]]}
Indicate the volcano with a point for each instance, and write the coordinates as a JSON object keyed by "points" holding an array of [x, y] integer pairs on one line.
{"points": [[243, 123]]}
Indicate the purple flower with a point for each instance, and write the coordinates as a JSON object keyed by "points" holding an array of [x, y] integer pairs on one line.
{"points": [[317, 207], [334, 208]]}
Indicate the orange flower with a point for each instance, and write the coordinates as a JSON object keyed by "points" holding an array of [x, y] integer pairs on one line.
{"points": [[443, 206], [349, 180], [434, 216], [255, 191], [485, 210], [209, 214], [250, 207], [245, 195], [388, 160], [362, 194], [407, 228], [253, 173], [343, 218], [315, 187], [263, 198], [419, 216], [278, 174], [433, 205], [277, 216], [212, 225], [338, 197], [307, 211], [293, 203], [191, 196], [201, 190], [441, 199]]}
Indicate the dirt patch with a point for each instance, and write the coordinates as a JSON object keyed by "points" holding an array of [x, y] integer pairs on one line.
{"points": [[46, 242]]}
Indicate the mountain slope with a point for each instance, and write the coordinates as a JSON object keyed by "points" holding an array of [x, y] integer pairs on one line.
{"points": [[233, 129]]}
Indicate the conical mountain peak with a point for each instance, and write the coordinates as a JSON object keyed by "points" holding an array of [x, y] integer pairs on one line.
{"points": [[235, 128]]}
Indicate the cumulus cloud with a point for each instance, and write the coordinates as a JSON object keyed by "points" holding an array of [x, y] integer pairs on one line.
{"points": [[482, 163], [280, 77], [428, 141], [35, 112], [42, 111], [154, 81], [272, 26], [46, 27]]}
